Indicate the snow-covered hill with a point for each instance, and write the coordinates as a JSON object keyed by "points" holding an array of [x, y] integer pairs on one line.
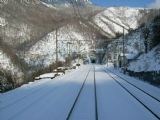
{"points": [[46, 47], [29, 27], [70, 40], [135, 46], [67, 3], [147, 62], [124, 16]]}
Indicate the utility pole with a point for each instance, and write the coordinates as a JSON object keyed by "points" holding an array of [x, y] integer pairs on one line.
{"points": [[124, 28], [56, 47], [123, 48], [107, 55], [69, 50], [78, 51]]}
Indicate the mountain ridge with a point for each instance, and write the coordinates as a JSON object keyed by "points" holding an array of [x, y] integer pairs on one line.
{"points": [[67, 3]]}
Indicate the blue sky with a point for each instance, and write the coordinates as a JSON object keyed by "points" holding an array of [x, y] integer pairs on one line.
{"points": [[131, 3]]}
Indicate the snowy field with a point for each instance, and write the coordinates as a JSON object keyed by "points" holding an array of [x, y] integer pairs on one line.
{"points": [[88, 93]]}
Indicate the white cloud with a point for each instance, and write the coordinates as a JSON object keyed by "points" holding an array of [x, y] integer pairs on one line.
{"points": [[155, 4]]}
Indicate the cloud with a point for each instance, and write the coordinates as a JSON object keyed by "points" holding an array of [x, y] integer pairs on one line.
{"points": [[155, 4]]}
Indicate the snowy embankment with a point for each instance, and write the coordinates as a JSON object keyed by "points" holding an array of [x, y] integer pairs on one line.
{"points": [[147, 62]]}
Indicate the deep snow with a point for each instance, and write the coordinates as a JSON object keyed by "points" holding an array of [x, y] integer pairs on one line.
{"points": [[52, 99]]}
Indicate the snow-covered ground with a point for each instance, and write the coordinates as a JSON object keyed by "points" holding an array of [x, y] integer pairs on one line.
{"points": [[53, 99], [116, 103], [144, 85]]}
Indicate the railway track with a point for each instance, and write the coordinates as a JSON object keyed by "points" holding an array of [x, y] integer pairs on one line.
{"points": [[73, 108], [86, 95], [136, 87], [95, 95], [155, 114], [44, 92]]}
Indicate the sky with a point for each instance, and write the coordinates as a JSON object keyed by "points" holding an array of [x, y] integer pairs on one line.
{"points": [[130, 3]]}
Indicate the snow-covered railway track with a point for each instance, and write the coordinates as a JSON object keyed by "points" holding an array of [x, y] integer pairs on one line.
{"points": [[95, 95], [76, 99], [79, 95], [155, 98], [145, 99], [25, 105]]}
